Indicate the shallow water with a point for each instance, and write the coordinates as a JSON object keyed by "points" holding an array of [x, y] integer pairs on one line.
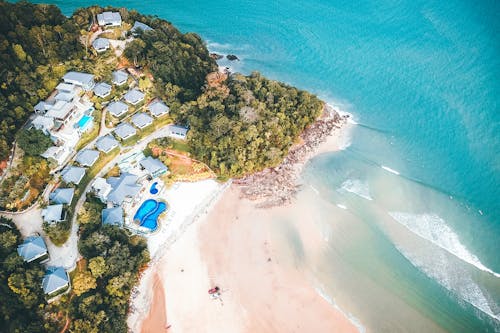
{"points": [[410, 209]]}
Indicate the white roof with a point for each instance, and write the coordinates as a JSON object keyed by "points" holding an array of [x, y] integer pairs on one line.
{"points": [[141, 120], [78, 78], [73, 174], [100, 43], [87, 157], [62, 195], [102, 89], [119, 77], [106, 143], [60, 110], [125, 130], [109, 18], [158, 108], [66, 87], [117, 108], [53, 213], [134, 96], [43, 123]]}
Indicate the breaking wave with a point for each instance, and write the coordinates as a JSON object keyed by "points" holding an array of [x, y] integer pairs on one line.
{"points": [[357, 187]]}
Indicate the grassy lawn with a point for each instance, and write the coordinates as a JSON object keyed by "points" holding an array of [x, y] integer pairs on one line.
{"points": [[180, 145], [131, 141], [91, 135]]}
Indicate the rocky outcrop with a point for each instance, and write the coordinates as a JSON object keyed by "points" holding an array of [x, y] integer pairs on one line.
{"points": [[277, 186], [232, 57], [216, 56]]}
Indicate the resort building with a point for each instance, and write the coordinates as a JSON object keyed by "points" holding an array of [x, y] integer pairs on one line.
{"points": [[122, 188], [139, 26], [33, 248], [125, 131], [141, 120], [53, 213], [158, 109], [109, 19], [84, 80], [57, 153], [87, 157], [72, 174], [117, 109], [42, 123], [42, 107], [112, 216], [101, 189], [106, 143], [134, 96], [153, 166], [55, 281], [62, 195], [100, 44], [60, 111], [119, 77], [177, 132], [102, 89]]}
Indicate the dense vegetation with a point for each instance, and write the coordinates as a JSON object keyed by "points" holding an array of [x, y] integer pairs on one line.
{"points": [[248, 124], [33, 142], [34, 41]]}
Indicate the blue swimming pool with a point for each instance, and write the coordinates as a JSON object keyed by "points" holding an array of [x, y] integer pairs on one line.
{"points": [[153, 189], [85, 122], [148, 212]]}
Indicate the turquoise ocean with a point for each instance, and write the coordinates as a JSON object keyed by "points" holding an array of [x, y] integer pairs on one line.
{"points": [[410, 210]]}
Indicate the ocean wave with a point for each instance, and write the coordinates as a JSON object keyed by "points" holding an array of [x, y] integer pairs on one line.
{"points": [[355, 321], [434, 229], [390, 170], [357, 187]]}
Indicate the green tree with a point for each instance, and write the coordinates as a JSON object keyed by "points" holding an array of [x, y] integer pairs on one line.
{"points": [[97, 266], [83, 282], [33, 142]]}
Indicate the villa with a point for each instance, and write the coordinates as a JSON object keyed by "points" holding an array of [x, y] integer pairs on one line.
{"points": [[177, 132], [125, 131], [109, 19], [42, 123], [60, 111], [57, 153], [102, 89], [100, 44], [42, 107], [122, 187], [72, 174], [117, 109], [141, 120], [33, 248], [153, 166], [112, 216], [84, 80], [55, 281], [134, 96], [158, 109], [139, 26], [119, 77], [106, 143], [53, 213], [62, 196], [87, 157]]}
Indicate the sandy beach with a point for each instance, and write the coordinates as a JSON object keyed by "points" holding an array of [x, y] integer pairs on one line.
{"points": [[238, 248]]}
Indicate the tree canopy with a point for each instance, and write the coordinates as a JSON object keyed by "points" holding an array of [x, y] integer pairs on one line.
{"points": [[33, 142]]}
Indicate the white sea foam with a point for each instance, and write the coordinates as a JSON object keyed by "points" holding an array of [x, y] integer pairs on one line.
{"points": [[341, 206], [314, 189], [389, 169], [355, 321], [357, 187], [434, 229]]}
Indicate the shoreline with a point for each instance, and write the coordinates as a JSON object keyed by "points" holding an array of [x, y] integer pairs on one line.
{"points": [[198, 261]]}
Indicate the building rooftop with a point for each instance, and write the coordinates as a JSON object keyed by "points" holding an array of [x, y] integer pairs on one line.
{"points": [[62, 195], [158, 108], [109, 18], [140, 26], [119, 77], [100, 44], [79, 79], [177, 130], [153, 166], [87, 157], [102, 89], [117, 108], [55, 279], [60, 110], [43, 123], [123, 187], [125, 131], [141, 120], [65, 96], [65, 87], [42, 106], [106, 143], [32, 248], [53, 213], [112, 216], [134, 96], [72, 174]]}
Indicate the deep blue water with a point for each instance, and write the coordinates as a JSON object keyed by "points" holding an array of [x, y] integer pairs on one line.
{"points": [[422, 80]]}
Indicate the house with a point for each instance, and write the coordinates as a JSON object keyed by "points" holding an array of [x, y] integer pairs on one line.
{"points": [[72, 174], [125, 131], [66, 87], [117, 109], [42, 107], [119, 77], [134, 96], [106, 143], [122, 187], [61, 111], [141, 120], [42, 123], [33, 248], [58, 153], [177, 132], [153, 166], [101, 189], [55, 281], [109, 19], [102, 89], [53, 213], [62, 196], [100, 44], [87, 157], [158, 109], [112, 216], [139, 26], [84, 80]]}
